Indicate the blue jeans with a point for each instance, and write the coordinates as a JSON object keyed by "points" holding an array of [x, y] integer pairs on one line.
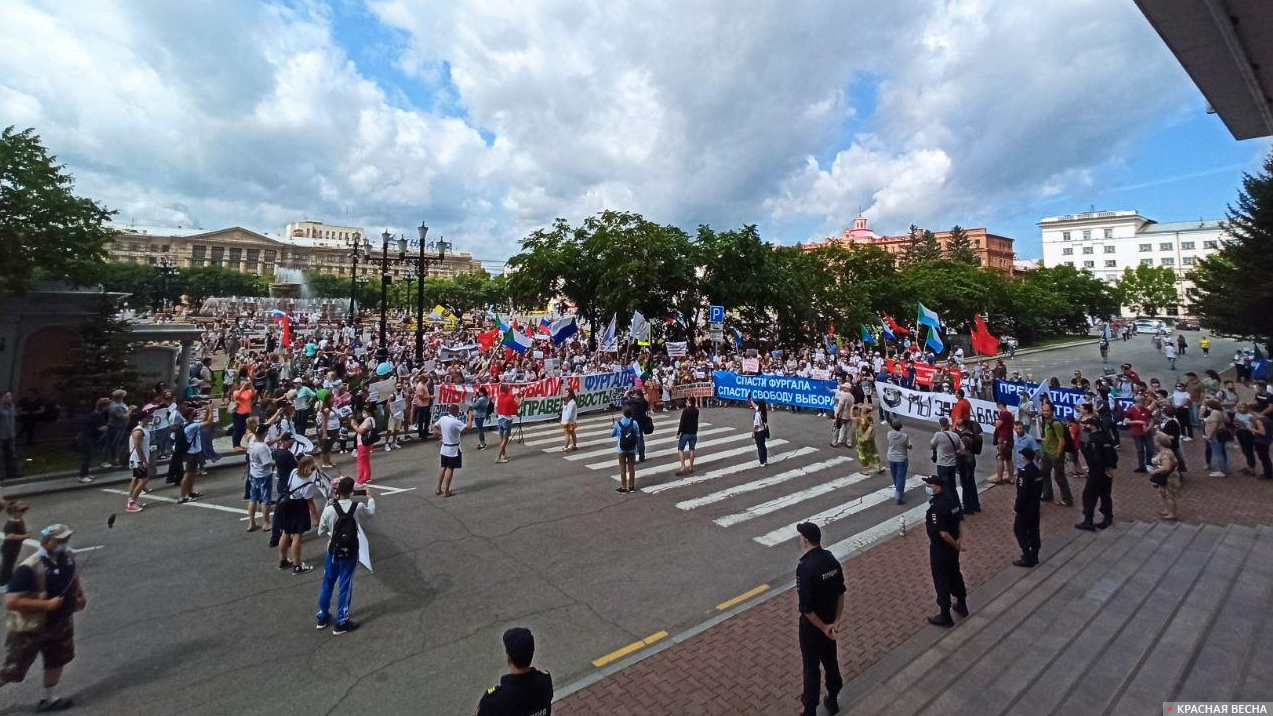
{"points": [[480, 424], [898, 471], [640, 444], [1145, 449], [342, 569], [1219, 460]]}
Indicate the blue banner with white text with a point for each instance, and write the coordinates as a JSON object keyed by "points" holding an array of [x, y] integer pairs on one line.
{"points": [[1065, 401], [775, 389]]}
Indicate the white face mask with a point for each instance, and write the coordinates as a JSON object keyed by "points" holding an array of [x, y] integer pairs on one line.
{"points": [[930, 491]]}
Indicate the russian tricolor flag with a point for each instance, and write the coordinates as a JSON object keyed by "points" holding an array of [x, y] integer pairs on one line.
{"points": [[563, 329], [286, 322]]}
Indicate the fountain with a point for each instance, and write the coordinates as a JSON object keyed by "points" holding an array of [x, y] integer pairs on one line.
{"points": [[289, 282]]}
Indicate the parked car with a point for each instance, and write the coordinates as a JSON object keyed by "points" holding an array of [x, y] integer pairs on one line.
{"points": [[1186, 325], [1149, 325]]}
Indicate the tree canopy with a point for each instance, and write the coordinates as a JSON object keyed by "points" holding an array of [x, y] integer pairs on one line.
{"points": [[46, 231], [1148, 289]]}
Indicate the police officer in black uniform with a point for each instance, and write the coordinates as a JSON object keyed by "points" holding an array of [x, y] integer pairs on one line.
{"points": [[525, 690], [1101, 457], [820, 587], [942, 523], [1026, 524]]}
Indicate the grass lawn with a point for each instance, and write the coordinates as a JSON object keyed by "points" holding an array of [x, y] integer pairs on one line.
{"points": [[1055, 340], [57, 456]]}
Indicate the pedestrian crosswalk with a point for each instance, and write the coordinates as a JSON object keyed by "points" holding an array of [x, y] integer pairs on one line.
{"points": [[763, 503]]}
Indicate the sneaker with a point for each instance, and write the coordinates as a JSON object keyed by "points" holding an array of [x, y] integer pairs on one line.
{"points": [[942, 620], [1086, 526], [133, 507], [388, 448], [501, 460], [85, 480], [1023, 562], [321, 622], [960, 608], [831, 704], [348, 626], [106, 465], [1186, 439], [1215, 473], [302, 568], [196, 495], [58, 704], [184, 500], [284, 564]]}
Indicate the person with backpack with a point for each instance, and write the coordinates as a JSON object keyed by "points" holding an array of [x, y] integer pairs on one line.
{"points": [[284, 464], [292, 510], [946, 446], [966, 466], [1053, 435], [365, 438], [628, 433], [342, 519], [449, 427]]}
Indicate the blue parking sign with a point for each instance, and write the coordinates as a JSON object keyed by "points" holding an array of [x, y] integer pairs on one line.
{"points": [[718, 314]]}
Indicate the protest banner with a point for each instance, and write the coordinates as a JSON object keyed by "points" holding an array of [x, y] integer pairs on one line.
{"points": [[676, 349], [751, 365], [541, 400], [1065, 401], [775, 389], [381, 390], [925, 375], [930, 406], [703, 389]]}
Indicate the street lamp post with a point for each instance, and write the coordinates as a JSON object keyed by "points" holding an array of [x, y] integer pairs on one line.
{"points": [[385, 261], [356, 251], [430, 253], [167, 272]]}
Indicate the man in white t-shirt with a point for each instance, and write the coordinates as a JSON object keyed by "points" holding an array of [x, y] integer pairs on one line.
{"points": [[449, 427]]}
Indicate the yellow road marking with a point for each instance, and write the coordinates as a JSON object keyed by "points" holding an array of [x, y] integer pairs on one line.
{"points": [[634, 646], [742, 597]]}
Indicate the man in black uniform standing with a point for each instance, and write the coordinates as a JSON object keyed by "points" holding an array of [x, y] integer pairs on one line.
{"points": [[525, 690], [284, 464], [820, 587], [942, 523], [1026, 524], [1101, 458]]}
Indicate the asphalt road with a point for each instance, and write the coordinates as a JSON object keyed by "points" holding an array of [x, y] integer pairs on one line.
{"points": [[1139, 351], [187, 613]]}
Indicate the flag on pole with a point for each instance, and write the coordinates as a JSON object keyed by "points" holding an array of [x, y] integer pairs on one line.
{"points": [[934, 341], [928, 318], [516, 340], [867, 338], [562, 329], [500, 324], [738, 338], [640, 329], [888, 332], [982, 341], [897, 329], [286, 322], [487, 339], [609, 339]]}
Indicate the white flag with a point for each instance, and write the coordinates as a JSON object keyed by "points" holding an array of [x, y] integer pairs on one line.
{"points": [[640, 328], [609, 339], [676, 349]]}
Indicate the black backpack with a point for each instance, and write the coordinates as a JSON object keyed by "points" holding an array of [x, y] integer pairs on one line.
{"points": [[628, 436], [344, 544], [371, 437]]}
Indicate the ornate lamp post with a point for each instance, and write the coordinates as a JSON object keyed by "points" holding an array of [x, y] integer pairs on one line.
{"points": [[167, 272], [357, 251], [430, 253]]}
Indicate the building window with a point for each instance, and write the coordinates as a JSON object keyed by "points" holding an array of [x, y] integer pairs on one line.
{"points": [[236, 256], [1089, 264], [135, 246], [1164, 246], [1111, 263], [164, 248], [1109, 233], [1087, 234], [1065, 236], [1088, 249], [1188, 261], [1146, 262], [1186, 246], [1210, 244], [1067, 251], [1146, 247], [254, 258], [1168, 261], [198, 251], [1109, 249], [269, 256], [218, 253], [1068, 263]]}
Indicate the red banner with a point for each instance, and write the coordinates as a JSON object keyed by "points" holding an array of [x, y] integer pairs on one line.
{"points": [[925, 375]]}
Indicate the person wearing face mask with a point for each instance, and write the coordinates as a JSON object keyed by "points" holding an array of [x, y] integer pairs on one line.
{"points": [[43, 595], [942, 523]]}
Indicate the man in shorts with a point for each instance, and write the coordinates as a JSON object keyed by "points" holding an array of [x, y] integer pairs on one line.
{"points": [[506, 409], [449, 427], [43, 595]]}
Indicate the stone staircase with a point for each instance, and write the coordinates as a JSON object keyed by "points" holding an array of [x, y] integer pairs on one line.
{"points": [[1112, 622]]}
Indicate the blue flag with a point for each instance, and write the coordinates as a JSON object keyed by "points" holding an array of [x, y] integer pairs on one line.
{"points": [[888, 332], [934, 341]]}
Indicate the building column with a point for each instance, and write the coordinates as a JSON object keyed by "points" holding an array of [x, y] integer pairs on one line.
{"points": [[183, 370]]}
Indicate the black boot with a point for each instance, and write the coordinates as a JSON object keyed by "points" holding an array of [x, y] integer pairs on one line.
{"points": [[831, 703], [1109, 520], [942, 620], [960, 608], [1085, 525]]}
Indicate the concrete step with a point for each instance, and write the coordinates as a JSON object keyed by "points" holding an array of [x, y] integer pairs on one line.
{"points": [[1071, 571], [1023, 654], [1045, 674], [1159, 674], [1254, 683]]}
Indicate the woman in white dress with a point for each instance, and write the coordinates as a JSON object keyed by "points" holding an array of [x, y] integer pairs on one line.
{"points": [[569, 421]]}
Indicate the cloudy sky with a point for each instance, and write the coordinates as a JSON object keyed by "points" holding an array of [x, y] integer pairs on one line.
{"points": [[489, 118]]}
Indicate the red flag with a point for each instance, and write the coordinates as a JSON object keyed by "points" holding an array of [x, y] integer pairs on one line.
{"points": [[487, 339], [832, 331], [897, 329], [982, 341]]}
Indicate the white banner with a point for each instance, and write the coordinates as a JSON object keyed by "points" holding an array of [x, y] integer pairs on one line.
{"points": [[676, 349], [542, 399], [920, 405]]}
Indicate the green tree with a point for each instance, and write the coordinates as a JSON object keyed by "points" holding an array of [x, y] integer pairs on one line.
{"points": [[99, 359], [204, 282], [141, 281], [921, 246], [338, 287], [557, 262], [737, 271], [959, 247], [46, 231], [1233, 292], [1146, 289]]}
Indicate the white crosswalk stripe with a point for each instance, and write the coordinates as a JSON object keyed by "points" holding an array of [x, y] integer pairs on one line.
{"points": [[724, 471], [558, 435], [540, 428], [788, 500], [606, 464], [760, 484], [785, 534], [606, 438], [648, 442], [644, 471]]}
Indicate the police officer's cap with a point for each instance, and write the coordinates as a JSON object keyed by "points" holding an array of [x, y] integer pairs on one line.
{"points": [[519, 645], [810, 531]]}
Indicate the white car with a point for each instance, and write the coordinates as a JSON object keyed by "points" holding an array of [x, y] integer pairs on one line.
{"points": [[1149, 325]]}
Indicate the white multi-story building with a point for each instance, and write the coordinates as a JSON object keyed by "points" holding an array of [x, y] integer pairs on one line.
{"points": [[317, 235], [1104, 243]]}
